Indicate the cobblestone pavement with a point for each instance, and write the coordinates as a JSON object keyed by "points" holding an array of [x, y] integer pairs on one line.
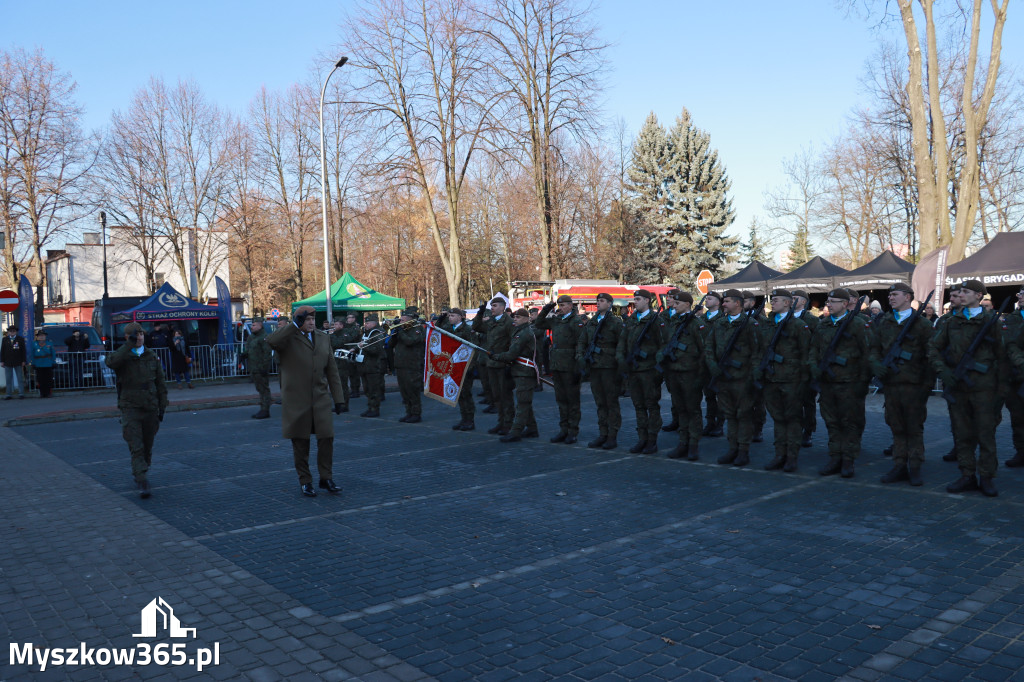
{"points": [[453, 556]]}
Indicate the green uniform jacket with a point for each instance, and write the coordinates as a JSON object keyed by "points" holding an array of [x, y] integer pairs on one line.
{"points": [[258, 353], [951, 341], [141, 378], [1013, 338], [565, 335], [497, 334], [607, 344], [914, 369], [372, 354], [523, 344], [686, 352], [310, 383], [346, 337], [852, 350], [648, 348], [792, 347], [410, 345], [810, 319], [745, 354]]}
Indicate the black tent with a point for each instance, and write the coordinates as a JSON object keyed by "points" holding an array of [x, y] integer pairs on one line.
{"points": [[887, 269], [998, 263], [815, 276], [754, 275]]}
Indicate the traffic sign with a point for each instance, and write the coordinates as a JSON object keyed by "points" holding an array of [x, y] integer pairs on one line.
{"points": [[274, 312], [704, 281], [8, 301]]}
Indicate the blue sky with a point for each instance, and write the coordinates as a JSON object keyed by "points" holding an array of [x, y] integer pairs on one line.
{"points": [[763, 78]]}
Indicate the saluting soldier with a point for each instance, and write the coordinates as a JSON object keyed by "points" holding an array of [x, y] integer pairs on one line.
{"points": [[734, 374], [371, 348], [808, 398], [713, 420], [784, 378], [456, 324], [682, 359], [541, 338], [410, 347], [760, 413], [497, 333], [1013, 333], [142, 399], [907, 382], [595, 356], [637, 354], [258, 354], [976, 397], [521, 355], [842, 384], [566, 328]]}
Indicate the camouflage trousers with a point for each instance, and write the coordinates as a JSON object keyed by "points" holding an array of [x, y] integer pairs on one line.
{"points": [[606, 385], [262, 383], [139, 429], [906, 408], [784, 402]]}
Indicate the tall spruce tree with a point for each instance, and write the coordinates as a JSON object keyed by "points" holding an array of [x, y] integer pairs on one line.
{"points": [[800, 251], [646, 191], [756, 249]]}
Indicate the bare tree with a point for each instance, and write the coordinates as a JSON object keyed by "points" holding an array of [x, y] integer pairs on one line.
{"points": [[797, 206]]}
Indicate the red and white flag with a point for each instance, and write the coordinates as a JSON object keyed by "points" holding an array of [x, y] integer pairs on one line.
{"points": [[446, 365]]}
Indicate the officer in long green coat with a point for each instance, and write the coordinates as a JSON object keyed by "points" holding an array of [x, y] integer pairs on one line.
{"points": [[369, 352], [521, 358], [976, 397], [258, 355], [566, 327], [783, 374], [906, 381], [142, 399], [457, 325], [842, 384], [682, 361], [1013, 337], [732, 373], [497, 334], [637, 354], [410, 347], [808, 400], [595, 357]]}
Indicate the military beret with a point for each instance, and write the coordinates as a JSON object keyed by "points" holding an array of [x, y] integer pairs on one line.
{"points": [[841, 293], [411, 311], [683, 296], [499, 299], [974, 285], [673, 293], [733, 293], [522, 312], [643, 292], [799, 292], [457, 311], [901, 286], [41, 332], [852, 293], [371, 317], [749, 294], [715, 294], [564, 298], [782, 292], [133, 328], [605, 297]]}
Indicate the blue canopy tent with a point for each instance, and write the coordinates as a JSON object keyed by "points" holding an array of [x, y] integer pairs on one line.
{"points": [[166, 305]]}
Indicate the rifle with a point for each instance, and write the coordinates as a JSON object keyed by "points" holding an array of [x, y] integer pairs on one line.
{"points": [[728, 351], [895, 354], [770, 356], [635, 353], [588, 356], [967, 363], [829, 357], [669, 350]]}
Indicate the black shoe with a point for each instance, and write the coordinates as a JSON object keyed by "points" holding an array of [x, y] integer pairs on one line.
{"points": [[673, 426], [914, 476], [143, 487], [758, 437], [651, 447], [570, 439], [414, 419], [777, 463], [693, 454], [847, 470], [729, 457], [458, 427], [964, 484], [895, 475], [598, 442], [805, 442], [494, 429], [344, 408], [510, 438], [404, 419], [610, 444], [329, 485], [531, 433], [504, 432], [791, 464], [490, 409], [262, 414], [370, 413], [988, 487], [538, 388], [560, 437], [1017, 461], [680, 451], [949, 456], [887, 452], [835, 464], [639, 447], [307, 490], [742, 458]]}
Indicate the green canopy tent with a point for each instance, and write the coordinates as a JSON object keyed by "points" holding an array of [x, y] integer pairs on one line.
{"points": [[349, 294]]}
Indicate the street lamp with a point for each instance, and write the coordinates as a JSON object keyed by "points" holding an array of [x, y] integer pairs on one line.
{"points": [[323, 192], [103, 229]]}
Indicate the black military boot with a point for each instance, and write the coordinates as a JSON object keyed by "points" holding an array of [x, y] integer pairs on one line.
{"points": [[988, 487], [671, 426], [887, 453], [777, 463], [758, 435], [598, 442], [651, 447], [511, 437], [693, 454], [639, 447], [835, 463], [896, 474], [965, 483], [143, 487], [847, 468], [805, 441], [717, 431], [1017, 461], [791, 464], [729, 457], [742, 457], [414, 419], [949, 456], [570, 439], [262, 414], [560, 437], [914, 476], [494, 429], [611, 443], [680, 450]]}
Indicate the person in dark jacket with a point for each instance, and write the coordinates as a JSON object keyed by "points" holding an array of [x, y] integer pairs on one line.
{"points": [[13, 358], [181, 360], [77, 343], [409, 349]]}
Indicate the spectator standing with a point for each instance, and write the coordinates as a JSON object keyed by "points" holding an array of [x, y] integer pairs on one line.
{"points": [[77, 344], [181, 360], [13, 358], [43, 357]]}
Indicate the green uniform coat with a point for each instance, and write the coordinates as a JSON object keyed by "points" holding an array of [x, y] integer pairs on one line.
{"points": [[310, 384]]}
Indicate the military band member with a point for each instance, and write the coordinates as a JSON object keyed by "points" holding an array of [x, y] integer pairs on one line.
{"points": [[808, 399], [842, 384], [353, 333], [975, 398], [682, 359], [370, 348], [410, 347], [1013, 333], [734, 374], [713, 420], [521, 356], [458, 326], [345, 337], [637, 354], [595, 356], [566, 327], [258, 354], [497, 333], [784, 377]]}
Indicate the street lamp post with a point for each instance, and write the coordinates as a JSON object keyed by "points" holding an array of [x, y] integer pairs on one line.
{"points": [[323, 193], [103, 227]]}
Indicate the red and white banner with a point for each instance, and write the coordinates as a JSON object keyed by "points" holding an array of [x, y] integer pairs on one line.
{"points": [[447, 363]]}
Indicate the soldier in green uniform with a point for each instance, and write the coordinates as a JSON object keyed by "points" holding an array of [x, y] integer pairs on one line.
{"points": [[456, 324], [760, 412], [345, 337], [713, 421], [353, 333], [637, 353], [258, 354], [808, 402], [521, 355], [784, 376], [1013, 334], [371, 348], [497, 333], [566, 328], [733, 375], [410, 347], [541, 338], [682, 360], [975, 399], [665, 316], [595, 357], [906, 382], [340, 350], [142, 399], [843, 384]]}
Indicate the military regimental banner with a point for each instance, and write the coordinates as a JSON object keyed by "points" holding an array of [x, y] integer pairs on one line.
{"points": [[447, 362]]}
